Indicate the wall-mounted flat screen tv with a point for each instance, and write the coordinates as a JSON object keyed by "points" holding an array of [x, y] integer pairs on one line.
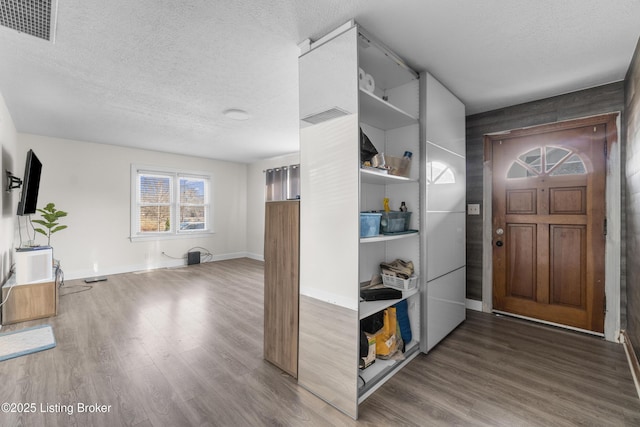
{"points": [[30, 185]]}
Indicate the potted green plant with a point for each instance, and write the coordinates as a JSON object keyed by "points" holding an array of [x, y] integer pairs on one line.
{"points": [[51, 217]]}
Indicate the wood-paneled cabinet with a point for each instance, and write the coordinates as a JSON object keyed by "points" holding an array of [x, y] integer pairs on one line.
{"points": [[281, 251], [28, 301]]}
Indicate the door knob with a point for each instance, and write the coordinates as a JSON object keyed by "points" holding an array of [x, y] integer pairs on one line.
{"points": [[499, 243]]}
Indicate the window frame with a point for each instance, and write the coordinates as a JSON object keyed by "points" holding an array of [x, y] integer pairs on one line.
{"points": [[176, 176], [545, 171]]}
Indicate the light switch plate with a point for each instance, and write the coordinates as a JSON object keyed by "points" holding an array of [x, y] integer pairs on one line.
{"points": [[473, 209]]}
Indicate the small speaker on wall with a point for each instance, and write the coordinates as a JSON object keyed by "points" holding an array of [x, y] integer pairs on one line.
{"points": [[193, 258]]}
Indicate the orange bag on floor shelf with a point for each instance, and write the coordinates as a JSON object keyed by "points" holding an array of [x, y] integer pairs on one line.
{"points": [[386, 338]]}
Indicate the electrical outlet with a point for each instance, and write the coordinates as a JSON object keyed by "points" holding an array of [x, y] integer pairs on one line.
{"points": [[473, 209]]}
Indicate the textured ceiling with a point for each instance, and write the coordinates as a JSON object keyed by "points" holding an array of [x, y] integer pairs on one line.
{"points": [[158, 74]]}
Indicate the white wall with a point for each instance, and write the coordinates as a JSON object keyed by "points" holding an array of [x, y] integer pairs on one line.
{"points": [[255, 201], [8, 201], [92, 183]]}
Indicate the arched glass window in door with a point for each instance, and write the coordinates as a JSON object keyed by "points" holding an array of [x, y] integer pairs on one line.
{"points": [[439, 173], [549, 161]]}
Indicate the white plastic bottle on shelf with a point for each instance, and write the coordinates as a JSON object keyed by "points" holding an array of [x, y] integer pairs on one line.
{"points": [[405, 164]]}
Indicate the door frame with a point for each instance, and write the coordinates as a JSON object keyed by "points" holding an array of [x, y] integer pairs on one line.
{"points": [[613, 214]]}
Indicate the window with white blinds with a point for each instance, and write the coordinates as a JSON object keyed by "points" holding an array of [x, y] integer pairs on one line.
{"points": [[167, 203]]}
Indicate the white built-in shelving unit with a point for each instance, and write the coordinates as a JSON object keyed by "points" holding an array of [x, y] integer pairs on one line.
{"points": [[334, 259], [389, 116]]}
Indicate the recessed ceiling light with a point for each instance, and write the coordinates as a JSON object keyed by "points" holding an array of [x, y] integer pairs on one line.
{"points": [[236, 114]]}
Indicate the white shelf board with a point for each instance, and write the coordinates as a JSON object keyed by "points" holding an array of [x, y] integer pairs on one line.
{"points": [[367, 308], [374, 176], [382, 370], [386, 237], [376, 369], [381, 114]]}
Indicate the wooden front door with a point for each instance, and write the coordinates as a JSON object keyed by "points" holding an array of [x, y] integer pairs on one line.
{"points": [[549, 223]]}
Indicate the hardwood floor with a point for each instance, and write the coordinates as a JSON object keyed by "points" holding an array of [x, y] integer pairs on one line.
{"points": [[183, 347]]}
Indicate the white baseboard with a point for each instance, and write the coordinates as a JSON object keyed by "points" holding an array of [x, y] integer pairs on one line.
{"points": [[233, 255], [632, 358], [257, 257], [473, 304], [169, 263]]}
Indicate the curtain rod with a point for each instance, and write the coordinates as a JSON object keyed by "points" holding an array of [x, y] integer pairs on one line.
{"points": [[281, 167]]}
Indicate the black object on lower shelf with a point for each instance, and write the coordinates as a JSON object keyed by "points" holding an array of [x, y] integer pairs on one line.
{"points": [[373, 323], [380, 294]]}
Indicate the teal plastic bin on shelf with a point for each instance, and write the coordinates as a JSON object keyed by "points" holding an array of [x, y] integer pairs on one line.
{"points": [[394, 222], [369, 224]]}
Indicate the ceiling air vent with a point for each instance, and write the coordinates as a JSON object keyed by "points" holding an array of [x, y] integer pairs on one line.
{"points": [[34, 17], [329, 114]]}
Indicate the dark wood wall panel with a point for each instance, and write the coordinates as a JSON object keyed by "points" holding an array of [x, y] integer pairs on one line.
{"points": [[599, 100], [632, 199]]}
